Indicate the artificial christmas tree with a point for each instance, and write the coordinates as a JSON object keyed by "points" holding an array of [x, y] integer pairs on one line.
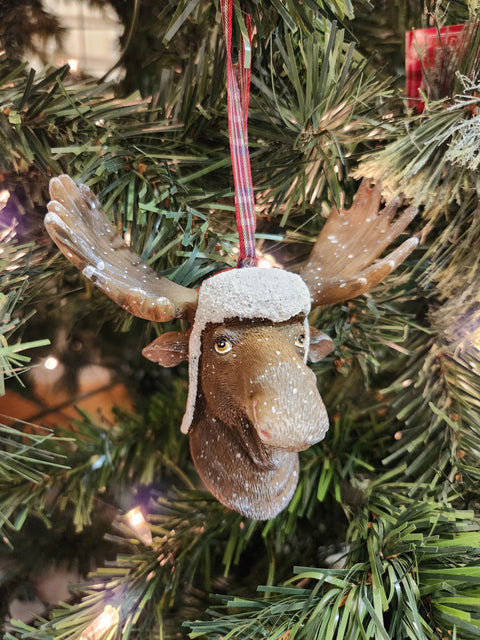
{"points": [[381, 538]]}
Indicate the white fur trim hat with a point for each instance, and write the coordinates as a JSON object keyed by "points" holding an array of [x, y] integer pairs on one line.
{"points": [[270, 294]]}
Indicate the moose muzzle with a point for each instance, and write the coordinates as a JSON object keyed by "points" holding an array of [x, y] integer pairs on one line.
{"points": [[286, 408]]}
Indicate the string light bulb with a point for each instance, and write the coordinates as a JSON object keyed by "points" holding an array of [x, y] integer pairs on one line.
{"points": [[108, 619], [267, 261], [7, 230], [50, 363], [476, 339], [4, 196], [137, 522]]}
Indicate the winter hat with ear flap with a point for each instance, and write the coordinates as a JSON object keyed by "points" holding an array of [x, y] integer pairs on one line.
{"points": [[269, 294]]}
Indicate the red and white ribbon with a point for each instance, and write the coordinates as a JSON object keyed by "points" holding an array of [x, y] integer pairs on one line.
{"points": [[238, 93]]}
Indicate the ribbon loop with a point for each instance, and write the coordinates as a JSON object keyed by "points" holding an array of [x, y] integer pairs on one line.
{"points": [[238, 93]]}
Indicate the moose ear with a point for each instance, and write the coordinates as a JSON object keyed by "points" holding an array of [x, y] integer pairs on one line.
{"points": [[169, 349], [320, 345]]}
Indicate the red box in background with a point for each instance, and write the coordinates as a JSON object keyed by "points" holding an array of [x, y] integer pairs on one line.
{"points": [[423, 47]]}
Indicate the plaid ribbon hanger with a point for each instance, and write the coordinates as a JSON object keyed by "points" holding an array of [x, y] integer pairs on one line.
{"points": [[238, 93]]}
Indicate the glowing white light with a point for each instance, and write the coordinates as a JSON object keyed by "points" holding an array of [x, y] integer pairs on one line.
{"points": [[73, 64], [4, 196], [476, 339], [102, 623], [266, 261], [51, 363], [137, 522]]}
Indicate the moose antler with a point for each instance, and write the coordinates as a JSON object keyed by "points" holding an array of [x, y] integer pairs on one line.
{"points": [[81, 230], [340, 264]]}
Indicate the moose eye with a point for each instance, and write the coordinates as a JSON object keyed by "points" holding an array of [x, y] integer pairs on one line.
{"points": [[222, 345], [300, 341]]}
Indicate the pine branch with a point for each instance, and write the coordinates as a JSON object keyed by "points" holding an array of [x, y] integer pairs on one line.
{"points": [[18, 268], [435, 396], [319, 111], [391, 593], [440, 435], [145, 583], [463, 147], [26, 462], [426, 160], [271, 14]]}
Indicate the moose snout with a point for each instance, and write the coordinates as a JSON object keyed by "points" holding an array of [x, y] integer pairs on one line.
{"points": [[286, 407]]}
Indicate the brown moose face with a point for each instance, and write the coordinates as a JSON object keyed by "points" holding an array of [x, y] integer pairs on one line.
{"points": [[256, 370]]}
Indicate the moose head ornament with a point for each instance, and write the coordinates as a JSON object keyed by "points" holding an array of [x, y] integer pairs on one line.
{"points": [[253, 403]]}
